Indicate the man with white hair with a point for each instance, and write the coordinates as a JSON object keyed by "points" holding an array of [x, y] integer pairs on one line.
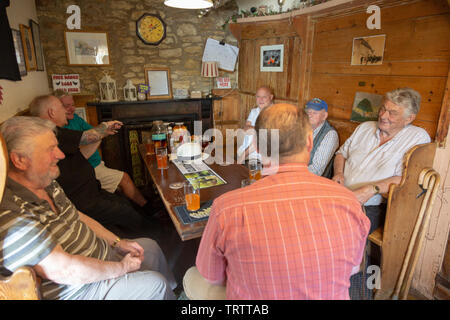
{"points": [[78, 177], [372, 158], [76, 257]]}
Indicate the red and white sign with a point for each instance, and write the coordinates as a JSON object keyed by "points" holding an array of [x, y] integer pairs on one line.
{"points": [[223, 83], [67, 82]]}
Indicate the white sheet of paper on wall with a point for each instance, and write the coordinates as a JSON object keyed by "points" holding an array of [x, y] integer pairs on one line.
{"points": [[225, 54]]}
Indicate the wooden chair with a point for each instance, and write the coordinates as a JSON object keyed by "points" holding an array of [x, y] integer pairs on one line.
{"points": [[23, 283], [407, 215]]}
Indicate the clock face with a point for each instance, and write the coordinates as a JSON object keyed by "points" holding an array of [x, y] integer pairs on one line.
{"points": [[151, 29]]}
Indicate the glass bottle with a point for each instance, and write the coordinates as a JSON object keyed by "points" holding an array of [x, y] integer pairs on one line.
{"points": [[179, 134], [159, 134]]}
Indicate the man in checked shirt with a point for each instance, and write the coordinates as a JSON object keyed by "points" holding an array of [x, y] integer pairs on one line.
{"points": [[290, 235]]}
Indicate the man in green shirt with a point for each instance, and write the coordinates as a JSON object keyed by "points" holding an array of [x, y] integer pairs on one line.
{"points": [[110, 179]]}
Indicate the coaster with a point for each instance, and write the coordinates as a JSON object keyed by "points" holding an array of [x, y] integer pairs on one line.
{"points": [[176, 185], [195, 216]]}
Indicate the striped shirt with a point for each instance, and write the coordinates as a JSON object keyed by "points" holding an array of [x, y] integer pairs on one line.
{"points": [[325, 150], [292, 235], [30, 230]]}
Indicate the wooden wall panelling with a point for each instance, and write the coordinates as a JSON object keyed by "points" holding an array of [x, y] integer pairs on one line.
{"points": [[226, 111], [252, 37], [444, 117], [414, 56]]}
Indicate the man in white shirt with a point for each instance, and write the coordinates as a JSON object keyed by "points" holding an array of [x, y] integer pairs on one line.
{"points": [[264, 98], [326, 139], [372, 158]]}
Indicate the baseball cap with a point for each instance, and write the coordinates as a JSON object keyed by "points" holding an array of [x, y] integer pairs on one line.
{"points": [[317, 104]]}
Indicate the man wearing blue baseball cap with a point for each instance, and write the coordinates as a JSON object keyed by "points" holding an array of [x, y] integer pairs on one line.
{"points": [[326, 140]]}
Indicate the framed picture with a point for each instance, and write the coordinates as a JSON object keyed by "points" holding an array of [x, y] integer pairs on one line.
{"points": [[28, 47], [272, 58], [366, 106], [86, 48], [81, 112], [368, 50], [37, 45], [19, 52], [159, 81]]}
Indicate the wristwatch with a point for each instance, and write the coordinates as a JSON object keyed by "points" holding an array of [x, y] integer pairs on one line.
{"points": [[376, 189]]}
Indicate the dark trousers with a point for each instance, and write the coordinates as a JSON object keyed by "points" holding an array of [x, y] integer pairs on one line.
{"points": [[376, 215], [116, 214]]}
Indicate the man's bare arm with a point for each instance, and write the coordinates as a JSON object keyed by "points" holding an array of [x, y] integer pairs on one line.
{"points": [[339, 164], [364, 193], [98, 133], [64, 268], [89, 149]]}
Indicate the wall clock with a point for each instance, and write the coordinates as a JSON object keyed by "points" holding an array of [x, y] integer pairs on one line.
{"points": [[151, 29]]}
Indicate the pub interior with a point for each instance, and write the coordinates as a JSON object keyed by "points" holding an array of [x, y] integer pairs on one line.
{"points": [[184, 81]]}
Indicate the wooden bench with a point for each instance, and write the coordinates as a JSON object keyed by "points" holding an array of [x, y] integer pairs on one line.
{"points": [[397, 238]]}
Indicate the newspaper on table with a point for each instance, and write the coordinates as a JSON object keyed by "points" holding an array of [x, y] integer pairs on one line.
{"points": [[199, 174]]}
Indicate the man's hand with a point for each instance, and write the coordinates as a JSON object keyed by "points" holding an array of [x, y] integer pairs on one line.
{"points": [[112, 127], [363, 194], [130, 263], [126, 246], [339, 178]]}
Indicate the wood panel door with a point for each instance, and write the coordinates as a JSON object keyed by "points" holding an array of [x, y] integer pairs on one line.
{"points": [[227, 112]]}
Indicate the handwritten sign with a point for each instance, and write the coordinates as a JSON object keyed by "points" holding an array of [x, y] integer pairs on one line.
{"points": [[67, 82]]}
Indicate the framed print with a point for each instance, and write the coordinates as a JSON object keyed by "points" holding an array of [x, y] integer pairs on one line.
{"points": [[368, 51], [86, 48], [28, 47], [366, 106], [37, 45], [159, 81], [272, 58], [19, 52]]}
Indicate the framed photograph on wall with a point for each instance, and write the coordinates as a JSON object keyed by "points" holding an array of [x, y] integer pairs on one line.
{"points": [[28, 47], [159, 81], [19, 52], [272, 58], [37, 45], [368, 51], [85, 48]]}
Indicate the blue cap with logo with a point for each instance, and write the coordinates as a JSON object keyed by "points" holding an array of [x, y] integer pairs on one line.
{"points": [[317, 104]]}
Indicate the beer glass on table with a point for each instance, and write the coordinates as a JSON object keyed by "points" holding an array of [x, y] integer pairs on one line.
{"points": [[254, 168], [192, 197], [161, 158]]}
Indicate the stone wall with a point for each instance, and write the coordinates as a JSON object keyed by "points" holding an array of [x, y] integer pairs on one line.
{"points": [[181, 51]]}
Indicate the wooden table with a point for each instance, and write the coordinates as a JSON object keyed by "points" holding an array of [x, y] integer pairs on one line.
{"points": [[233, 175]]}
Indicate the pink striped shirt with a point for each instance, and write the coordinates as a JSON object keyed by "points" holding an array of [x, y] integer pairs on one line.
{"points": [[292, 235]]}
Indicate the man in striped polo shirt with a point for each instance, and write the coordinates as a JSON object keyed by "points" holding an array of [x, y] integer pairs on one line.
{"points": [[76, 257], [290, 235]]}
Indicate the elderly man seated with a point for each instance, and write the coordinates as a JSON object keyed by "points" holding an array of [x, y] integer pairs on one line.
{"points": [[247, 150], [290, 235], [372, 158], [326, 139], [76, 257], [78, 177], [110, 179]]}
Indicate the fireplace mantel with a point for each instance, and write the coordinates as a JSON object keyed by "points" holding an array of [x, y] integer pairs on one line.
{"points": [[138, 115]]}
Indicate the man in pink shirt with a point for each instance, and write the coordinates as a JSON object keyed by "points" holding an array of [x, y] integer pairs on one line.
{"points": [[290, 235]]}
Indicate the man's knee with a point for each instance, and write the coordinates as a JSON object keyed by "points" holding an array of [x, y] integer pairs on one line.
{"points": [[198, 288]]}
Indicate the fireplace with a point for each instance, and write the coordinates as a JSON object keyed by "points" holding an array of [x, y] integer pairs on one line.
{"points": [[120, 151]]}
